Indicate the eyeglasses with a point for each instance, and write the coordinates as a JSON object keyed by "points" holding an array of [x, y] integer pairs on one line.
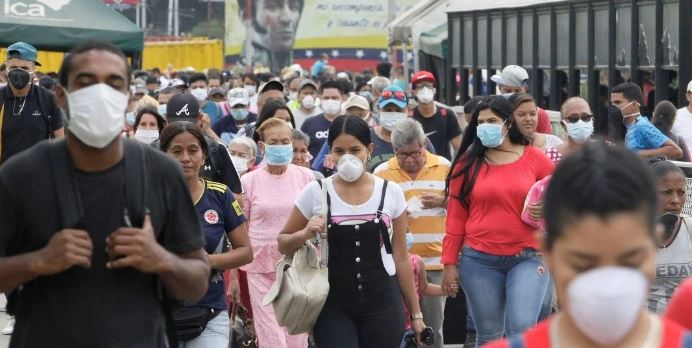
{"points": [[403, 156], [401, 96], [574, 118]]}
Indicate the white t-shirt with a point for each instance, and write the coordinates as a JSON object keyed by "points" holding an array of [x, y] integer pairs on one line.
{"points": [[673, 265], [682, 126], [310, 203], [299, 116]]}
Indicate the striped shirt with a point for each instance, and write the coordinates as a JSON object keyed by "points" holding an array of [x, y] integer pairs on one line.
{"points": [[428, 227]]}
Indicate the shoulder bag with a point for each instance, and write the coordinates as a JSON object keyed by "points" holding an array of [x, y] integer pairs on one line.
{"points": [[302, 282]]}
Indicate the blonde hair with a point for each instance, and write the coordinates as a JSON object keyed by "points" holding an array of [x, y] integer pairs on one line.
{"points": [[271, 123], [147, 102]]}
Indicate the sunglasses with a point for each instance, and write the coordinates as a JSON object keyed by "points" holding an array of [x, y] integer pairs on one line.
{"points": [[574, 118], [401, 96]]}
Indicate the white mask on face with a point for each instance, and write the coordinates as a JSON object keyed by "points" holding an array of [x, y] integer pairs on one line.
{"points": [[308, 102], [349, 168], [425, 95], [240, 164], [147, 136], [97, 114], [331, 107], [292, 96], [389, 119], [200, 93], [251, 89], [605, 302], [580, 132]]}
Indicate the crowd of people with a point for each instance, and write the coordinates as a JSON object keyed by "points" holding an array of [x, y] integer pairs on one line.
{"points": [[161, 204]]}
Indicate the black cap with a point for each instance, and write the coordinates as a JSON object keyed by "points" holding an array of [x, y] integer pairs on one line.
{"points": [[182, 107], [271, 85]]}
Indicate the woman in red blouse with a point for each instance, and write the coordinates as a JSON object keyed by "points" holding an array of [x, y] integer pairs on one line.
{"points": [[486, 244]]}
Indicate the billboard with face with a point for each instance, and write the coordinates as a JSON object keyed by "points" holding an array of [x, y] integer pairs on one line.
{"points": [[352, 32]]}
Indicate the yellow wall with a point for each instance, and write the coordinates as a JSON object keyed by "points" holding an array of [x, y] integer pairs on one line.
{"points": [[50, 61], [200, 55]]}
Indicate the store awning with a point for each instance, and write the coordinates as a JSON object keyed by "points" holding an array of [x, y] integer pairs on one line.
{"points": [[422, 17], [433, 42], [59, 25]]}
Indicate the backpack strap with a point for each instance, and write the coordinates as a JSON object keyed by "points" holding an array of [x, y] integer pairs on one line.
{"points": [[66, 190], [384, 231], [516, 341]]}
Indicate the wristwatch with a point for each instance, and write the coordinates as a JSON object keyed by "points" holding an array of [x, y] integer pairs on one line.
{"points": [[417, 316]]}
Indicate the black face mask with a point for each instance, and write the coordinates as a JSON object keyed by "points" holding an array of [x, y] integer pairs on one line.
{"points": [[19, 78], [669, 221]]}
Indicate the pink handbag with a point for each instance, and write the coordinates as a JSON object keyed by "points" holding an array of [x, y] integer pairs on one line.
{"points": [[535, 195]]}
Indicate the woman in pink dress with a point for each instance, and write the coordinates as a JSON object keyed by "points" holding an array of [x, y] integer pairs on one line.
{"points": [[270, 194]]}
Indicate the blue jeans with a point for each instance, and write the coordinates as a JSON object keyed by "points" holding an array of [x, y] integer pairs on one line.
{"points": [[215, 335], [499, 287]]}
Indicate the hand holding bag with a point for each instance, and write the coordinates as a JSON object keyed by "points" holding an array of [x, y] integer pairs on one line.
{"points": [[302, 283], [242, 330]]}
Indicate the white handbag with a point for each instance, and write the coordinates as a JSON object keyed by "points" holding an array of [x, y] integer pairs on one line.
{"points": [[302, 283]]}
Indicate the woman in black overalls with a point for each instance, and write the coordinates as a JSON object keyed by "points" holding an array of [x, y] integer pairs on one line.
{"points": [[368, 274]]}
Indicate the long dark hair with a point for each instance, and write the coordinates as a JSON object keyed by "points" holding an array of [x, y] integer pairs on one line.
{"points": [[268, 111], [471, 156], [176, 128], [160, 121]]}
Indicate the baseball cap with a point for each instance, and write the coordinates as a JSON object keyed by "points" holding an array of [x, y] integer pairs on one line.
{"points": [[270, 86], [217, 90], [512, 76], [140, 86], [182, 107], [24, 50], [689, 86], [393, 94], [306, 82], [422, 76], [357, 101], [178, 83], [238, 96]]}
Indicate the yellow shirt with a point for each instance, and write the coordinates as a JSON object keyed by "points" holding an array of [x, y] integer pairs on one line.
{"points": [[428, 227]]}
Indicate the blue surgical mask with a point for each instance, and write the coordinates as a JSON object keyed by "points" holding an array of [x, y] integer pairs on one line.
{"points": [[130, 118], [507, 95], [239, 114], [278, 155], [366, 94], [490, 134], [409, 240]]}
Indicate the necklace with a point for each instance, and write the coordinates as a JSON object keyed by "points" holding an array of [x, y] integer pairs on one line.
{"points": [[14, 107]]}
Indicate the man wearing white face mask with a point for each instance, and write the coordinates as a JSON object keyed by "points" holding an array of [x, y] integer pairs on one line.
{"points": [[393, 105], [439, 122], [307, 99], [199, 89], [642, 136], [317, 127], [104, 231]]}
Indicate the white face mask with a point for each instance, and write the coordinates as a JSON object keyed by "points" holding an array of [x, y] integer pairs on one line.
{"points": [[331, 107], [147, 136], [425, 95], [251, 89], [200, 93], [580, 132], [162, 110], [389, 119], [97, 114], [240, 164], [308, 102], [292, 96], [605, 302], [349, 168]]}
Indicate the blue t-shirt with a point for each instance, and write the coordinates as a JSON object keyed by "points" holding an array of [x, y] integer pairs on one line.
{"points": [[219, 213], [227, 129], [213, 110], [644, 136], [317, 128]]}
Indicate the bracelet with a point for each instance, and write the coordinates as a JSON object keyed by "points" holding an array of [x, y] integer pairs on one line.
{"points": [[417, 316]]}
